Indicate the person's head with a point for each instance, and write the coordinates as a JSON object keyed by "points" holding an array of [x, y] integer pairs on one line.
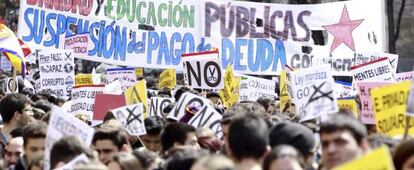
{"points": [[16, 109], [248, 138], [164, 92], [124, 161], [343, 138], [179, 92], [66, 149], [13, 151], [184, 158], [403, 156], [152, 140], [283, 157], [45, 105], [92, 164], [268, 103], [296, 135], [147, 158], [213, 162], [215, 98], [108, 141], [208, 140], [178, 134], [34, 135]]}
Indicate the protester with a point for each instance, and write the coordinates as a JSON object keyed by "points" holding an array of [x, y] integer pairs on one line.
{"points": [[34, 135], [71, 147], [13, 151], [152, 140], [176, 135], [183, 158], [208, 140], [108, 141], [148, 159], [404, 155], [124, 161], [215, 98], [284, 157], [213, 162]]}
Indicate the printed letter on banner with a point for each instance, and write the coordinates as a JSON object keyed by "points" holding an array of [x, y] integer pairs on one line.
{"points": [[158, 104], [138, 94], [57, 71], [390, 108], [132, 118], [208, 117], [404, 76], [63, 124], [313, 92], [376, 70], [83, 99], [367, 112], [185, 100], [361, 58], [168, 79], [83, 80], [381, 156], [252, 88], [126, 76]]}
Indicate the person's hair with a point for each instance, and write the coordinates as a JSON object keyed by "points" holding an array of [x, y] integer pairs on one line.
{"points": [[45, 105], [34, 130], [92, 164], [18, 132], [213, 94], [340, 122], [175, 132], [402, 153], [164, 92], [116, 135], [108, 116], [145, 157], [248, 137], [66, 149], [239, 110], [179, 92], [283, 151], [154, 125], [266, 101], [127, 161], [216, 162], [11, 103], [184, 158]]}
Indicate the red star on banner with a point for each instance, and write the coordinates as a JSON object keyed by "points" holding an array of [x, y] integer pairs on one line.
{"points": [[342, 31]]}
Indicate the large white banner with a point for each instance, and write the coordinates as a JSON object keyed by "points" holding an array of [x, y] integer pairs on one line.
{"points": [[57, 71], [83, 99]]}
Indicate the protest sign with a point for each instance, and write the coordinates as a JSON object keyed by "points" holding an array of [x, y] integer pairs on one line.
{"points": [[410, 101], [83, 79], [132, 118], [390, 108], [83, 99], [158, 104], [260, 38], [313, 91], [168, 79], [5, 64], [376, 70], [252, 88], [284, 95], [201, 72], [113, 88], [367, 113], [399, 77], [138, 94], [106, 102], [343, 89], [361, 58], [11, 85], [377, 159], [79, 44], [185, 100], [230, 94], [208, 117], [126, 76], [350, 104], [139, 72], [57, 71], [62, 124]]}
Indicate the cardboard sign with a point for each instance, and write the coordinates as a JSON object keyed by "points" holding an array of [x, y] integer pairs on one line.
{"points": [[106, 102], [83, 80], [11, 85], [390, 108], [343, 89], [202, 73], [207, 116], [5, 64], [376, 70], [57, 71], [367, 113], [284, 95], [79, 44], [113, 88], [348, 104], [252, 88], [361, 58], [399, 77], [231, 92], [158, 104], [168, 79], [83, 99], [126, 76], [132, 118], [62, 124], [313, 92], [185, 100], [138, 94], [377, 159]]}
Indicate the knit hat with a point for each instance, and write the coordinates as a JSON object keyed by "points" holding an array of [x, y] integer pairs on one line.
{"points": [[292, 134]]}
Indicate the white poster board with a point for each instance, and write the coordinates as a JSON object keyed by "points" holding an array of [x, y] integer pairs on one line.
{"points": [[185, 100], [126, 76], [157, 105], [83, 99], [132, 118], [252, 88]]}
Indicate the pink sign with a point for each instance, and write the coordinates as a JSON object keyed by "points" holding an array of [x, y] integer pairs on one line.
{"points": [[367, 113], [79, 43]]}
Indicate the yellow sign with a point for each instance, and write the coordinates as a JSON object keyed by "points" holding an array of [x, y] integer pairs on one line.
{"points": [[389, 104], [230, 93], [168, 79], [348, 104], [138, 94], [5, 32], [83, 79], [139, 72], [284, 96], [377, 159]]}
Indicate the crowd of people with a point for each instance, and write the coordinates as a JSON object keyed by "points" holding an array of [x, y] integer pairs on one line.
{"points": [[256, 135]]}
